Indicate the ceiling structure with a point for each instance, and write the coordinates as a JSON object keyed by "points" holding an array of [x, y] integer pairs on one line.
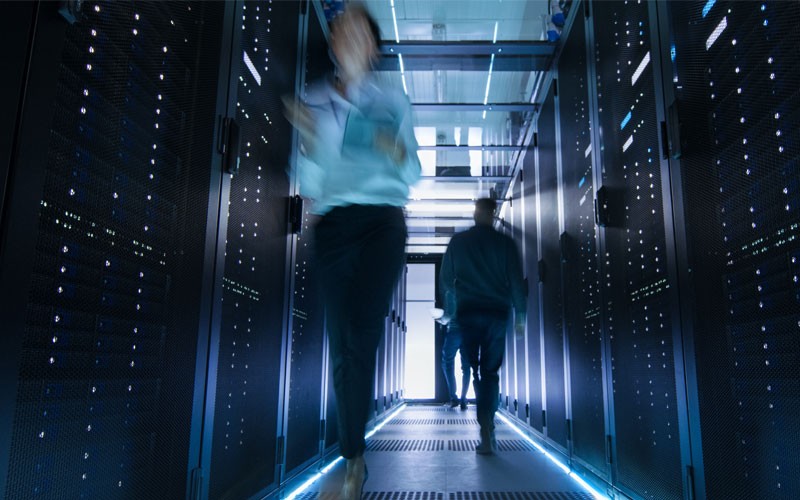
{"points": [[470, 68]]}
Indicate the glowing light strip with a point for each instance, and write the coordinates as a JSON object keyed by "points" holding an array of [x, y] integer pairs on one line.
{"points": [[403, 72], [626, 120], [708, 6], [394, 19], [494, 38], [596, 494], [588, 151], [300, 489], [717, 32], [627, 144], [488, 81], [640, 69], [252, 68]]}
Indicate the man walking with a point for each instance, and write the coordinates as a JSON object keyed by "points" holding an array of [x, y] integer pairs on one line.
{"points": [[482, 270]]}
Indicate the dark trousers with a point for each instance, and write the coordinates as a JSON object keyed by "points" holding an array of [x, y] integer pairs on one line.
{"points": [[453, 344], [484, 337], [360, 252]]}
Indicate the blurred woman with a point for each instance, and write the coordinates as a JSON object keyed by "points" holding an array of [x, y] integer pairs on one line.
{"points": [[356, 161]]}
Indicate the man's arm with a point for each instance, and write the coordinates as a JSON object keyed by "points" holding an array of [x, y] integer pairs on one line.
{"points": [[447, 284], [516, 281]]}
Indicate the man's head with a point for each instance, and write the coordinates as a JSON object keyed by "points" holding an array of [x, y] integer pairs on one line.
{"points": [[355, 41], [484, 211]]}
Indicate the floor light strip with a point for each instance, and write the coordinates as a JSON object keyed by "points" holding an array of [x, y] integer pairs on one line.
{"points": [[313, 479], [596, 494]]}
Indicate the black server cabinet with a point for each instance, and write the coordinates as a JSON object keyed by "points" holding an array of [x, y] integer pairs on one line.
{"points": [[582, 304], [638, 304], [518, 346], [735, 97], [117, 181], [16, 26], [531, 263], [550, 267], [307, 378], [246, 381]]}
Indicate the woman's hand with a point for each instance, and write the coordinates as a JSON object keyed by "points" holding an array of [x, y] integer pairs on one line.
{"points": [[301, 118], [387, 143]]}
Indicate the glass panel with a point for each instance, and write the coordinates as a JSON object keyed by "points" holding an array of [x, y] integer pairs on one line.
{"points": [[466, 20], [464, 86]]}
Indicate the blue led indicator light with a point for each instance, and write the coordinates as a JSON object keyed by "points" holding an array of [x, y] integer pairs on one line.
{"points": [[672, 52], [625, 120], [710, 3], [582, 182]]}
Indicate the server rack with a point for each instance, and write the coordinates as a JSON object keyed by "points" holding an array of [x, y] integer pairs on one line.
{"points": [[582, 301], [111, 226], [245, 382], [732, 93]]}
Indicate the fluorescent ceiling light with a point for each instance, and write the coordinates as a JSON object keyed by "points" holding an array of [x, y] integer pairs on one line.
{"points": [[448, 208], [425, 249], [428, 240], [394, 19], [442, 193], [439, 222]]}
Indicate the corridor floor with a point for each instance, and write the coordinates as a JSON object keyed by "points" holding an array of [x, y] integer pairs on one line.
{"points": [[428, 453]]}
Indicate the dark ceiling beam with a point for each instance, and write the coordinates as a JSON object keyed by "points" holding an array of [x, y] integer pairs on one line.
{"points": [[465, 178], [466, 56], [520, 107]]}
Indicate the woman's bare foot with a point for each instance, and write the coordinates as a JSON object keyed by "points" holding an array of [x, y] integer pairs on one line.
{"points": [[354, 479]]}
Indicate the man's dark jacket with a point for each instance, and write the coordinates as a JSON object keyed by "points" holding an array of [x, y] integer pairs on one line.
{"points": [[482, 271]]}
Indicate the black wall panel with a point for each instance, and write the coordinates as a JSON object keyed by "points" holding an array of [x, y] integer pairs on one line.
{"points": [[581, 276], [637, 304], [248, 374], [551, 295], [106, 380], [737, 80], [531, 262]]}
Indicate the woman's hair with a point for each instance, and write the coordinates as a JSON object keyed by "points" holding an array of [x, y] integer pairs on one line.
{"points": [[373, 24]]}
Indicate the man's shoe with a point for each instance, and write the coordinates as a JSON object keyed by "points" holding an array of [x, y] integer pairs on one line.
{"points": [[452, 404], [463, 404], [488, 444]]}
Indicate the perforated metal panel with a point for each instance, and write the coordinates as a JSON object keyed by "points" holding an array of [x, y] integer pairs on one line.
{"points": [[581, 276], [405, 445], [737, 79], [106, 381], [379, 495], [248, 376], [519, 495], [551, 297], [637, 303]]}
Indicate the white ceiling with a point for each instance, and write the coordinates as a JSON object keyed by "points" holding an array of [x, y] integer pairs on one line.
{"points": [[438, 206]]}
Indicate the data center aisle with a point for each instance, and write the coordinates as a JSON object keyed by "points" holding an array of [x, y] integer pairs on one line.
{"points": [[428, 453]]}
